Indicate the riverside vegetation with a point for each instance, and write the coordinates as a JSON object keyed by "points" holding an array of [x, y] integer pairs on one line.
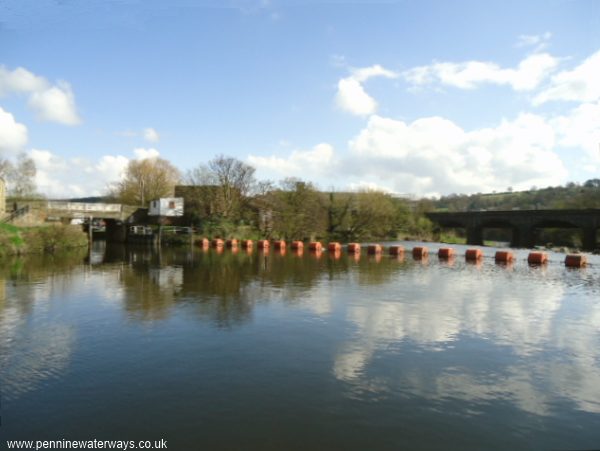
{"points": [[16, 240], [224, 199]]}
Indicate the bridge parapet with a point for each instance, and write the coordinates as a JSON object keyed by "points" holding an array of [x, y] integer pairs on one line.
{"points": [[84, 207]]}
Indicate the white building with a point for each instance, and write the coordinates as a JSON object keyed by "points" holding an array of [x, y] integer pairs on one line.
{"points": [[166, 206]]}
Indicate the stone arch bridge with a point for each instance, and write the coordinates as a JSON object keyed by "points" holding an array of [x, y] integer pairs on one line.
{"points": [[523, 223]]}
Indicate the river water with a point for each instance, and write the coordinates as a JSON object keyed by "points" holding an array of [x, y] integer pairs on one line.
{"points": [[210, 350]]}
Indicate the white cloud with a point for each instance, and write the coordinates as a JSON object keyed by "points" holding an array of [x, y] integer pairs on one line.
{"points": [[581, 84], [13, 135], [54, 103], [528, 75], [313, 161], [368, 186], [151, 135], [143, 154], [364, 73], [59, 177], [537, 41], [580, 129], [111, 167], [351, 95], [433, 155], [20, 80]]}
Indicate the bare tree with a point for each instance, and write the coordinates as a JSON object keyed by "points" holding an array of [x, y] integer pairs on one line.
{"points": [[235, 179], [232, 181], [19, 176]]}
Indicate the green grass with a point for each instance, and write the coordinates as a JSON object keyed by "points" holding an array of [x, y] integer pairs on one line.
{"points": [[452, 239], [9, 228], [23, 240]]}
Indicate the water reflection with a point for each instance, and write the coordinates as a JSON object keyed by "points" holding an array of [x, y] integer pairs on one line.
{"points": [[385, 328], [28, 288], [522, 324]]}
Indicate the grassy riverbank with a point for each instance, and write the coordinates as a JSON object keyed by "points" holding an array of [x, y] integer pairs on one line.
{"points": [[36, 240]]}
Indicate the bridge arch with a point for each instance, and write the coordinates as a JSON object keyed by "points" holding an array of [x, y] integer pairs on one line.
{"points": [[523, 224]]}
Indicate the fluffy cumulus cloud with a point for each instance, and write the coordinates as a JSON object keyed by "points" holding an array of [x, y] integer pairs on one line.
{"points": [[579, 130], [313, 161], [580, 84], [528, 75], [55, 103], [13, 135], [143, 154], [59, 177], [434, 155], [353, 98], [351, 95], [20, 80]]}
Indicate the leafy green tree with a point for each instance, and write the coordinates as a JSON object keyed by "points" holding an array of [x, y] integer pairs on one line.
{"points": [[297, 210], [146, 180]]}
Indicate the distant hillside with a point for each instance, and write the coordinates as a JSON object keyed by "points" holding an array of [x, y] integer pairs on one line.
{"points": [[573, 195]]}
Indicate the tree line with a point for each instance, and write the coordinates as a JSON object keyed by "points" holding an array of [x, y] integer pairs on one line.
{"points": [[223, 197], [572, 195]]}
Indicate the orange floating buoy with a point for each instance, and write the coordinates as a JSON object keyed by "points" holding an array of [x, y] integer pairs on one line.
{"points": [[354, 248], [575, 261], [203, 242], [279, 244], [217, 242], [315, 246], [504, 257], [537, 258], [334, 246], [335, 254], [420, 252], [231, 243], [247, 244], [374, 249], [445, 253], [263, 244], [376, 257], [297, 245], [396, 250], [473, 254]]}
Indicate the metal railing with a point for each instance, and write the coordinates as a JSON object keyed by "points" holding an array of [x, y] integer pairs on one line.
{"points": [[84, 207]]}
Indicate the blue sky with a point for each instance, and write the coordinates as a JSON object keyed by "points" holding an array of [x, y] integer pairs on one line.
{"points": [[426, 98]]}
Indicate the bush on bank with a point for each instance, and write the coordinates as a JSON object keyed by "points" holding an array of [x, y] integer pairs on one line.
{"points": [[44, 239]]}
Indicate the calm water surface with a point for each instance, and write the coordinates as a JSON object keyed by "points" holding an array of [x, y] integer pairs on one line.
{"points": [[250, 351]]}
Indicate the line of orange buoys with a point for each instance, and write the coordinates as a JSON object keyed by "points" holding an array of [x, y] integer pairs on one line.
{"points": [[474, 255]]}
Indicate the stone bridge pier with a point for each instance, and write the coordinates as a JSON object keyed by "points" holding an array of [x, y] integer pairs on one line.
{"points": [[524, 224]]}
